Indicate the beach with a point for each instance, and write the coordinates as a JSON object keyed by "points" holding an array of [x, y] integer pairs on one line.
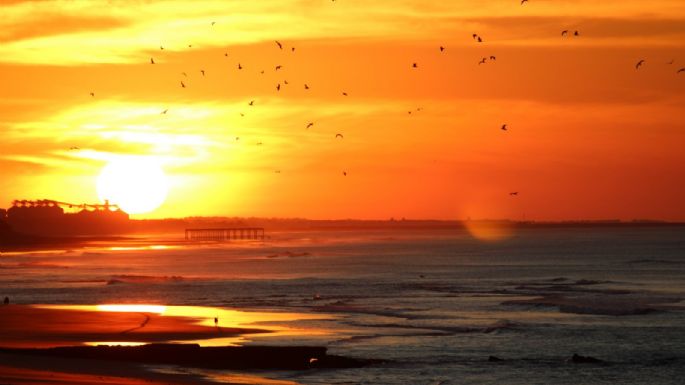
{"points": [[453, 308]]}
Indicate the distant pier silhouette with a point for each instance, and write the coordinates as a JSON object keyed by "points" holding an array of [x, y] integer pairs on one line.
{"points": [[225, 234]]}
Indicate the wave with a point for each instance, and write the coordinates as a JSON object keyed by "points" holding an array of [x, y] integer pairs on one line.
{"points": [[120, 279], [631, 305]]}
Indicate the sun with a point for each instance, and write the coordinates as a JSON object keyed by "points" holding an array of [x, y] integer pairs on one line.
{"points": [[137, 185]]}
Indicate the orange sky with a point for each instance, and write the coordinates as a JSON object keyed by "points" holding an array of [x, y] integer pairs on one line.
{"points": [[589, 135]]}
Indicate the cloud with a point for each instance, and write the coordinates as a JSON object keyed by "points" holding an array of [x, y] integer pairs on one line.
{"points": [[70, 33]]}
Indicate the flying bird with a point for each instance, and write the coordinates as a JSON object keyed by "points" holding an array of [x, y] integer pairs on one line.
{"points": [[339, 136], [310, 124], [564, 32], [226, 54], [414, 65], [278, 43], [161, 48], [344, 93], [292, 49], [576, 33], [475, 36], [306, 87], [504, 127], [523, 1], [671, 62], [479, 39], [514, 193], [344, 173], [442, 48], [152, 61], [184, 74], [239, 66], [278, 87], [251, 103], [639, 64], [183, 85], [92, 94], [190, 46], [285, 82], [202, 72], [482, 61], [74, 148], [278, 67], [214, 22], [493, 58], [165, 111], [681, 70]]}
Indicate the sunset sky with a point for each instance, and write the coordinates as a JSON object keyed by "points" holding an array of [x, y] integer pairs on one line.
{"points": [[589, 136]]}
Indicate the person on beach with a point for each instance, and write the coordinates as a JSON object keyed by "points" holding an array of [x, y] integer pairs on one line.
{"points": [[6, 301], [216, 322]]}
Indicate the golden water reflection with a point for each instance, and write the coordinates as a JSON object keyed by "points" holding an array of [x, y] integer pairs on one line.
{"points": [[213, 320]]}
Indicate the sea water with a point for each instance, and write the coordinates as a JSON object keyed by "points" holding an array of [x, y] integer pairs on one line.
{"points": [[434, 304]]}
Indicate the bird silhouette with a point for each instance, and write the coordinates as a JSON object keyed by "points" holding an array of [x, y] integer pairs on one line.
{"points": [[482, 61], [74, 148], [576, 33], [285, 82], [226, 54], [493, 58], [475, 36], [278, 67], [165, 111], [92, 94], [681, 70], [161, 48], [183, 85], [523, 1], [639, 64], [671, 62], [292, 49], [564, 32], [190, 46], [339, 136], [344, 93], [442, 48], [202, 72], [310, 124], [278, 87], [239, 66], [306, 87], [415, 65], [504, 127], [251, 103], [278, 43], [480, 40], [152, 61], [214, 22], [344, 173], [184, 74], [514, 193]]}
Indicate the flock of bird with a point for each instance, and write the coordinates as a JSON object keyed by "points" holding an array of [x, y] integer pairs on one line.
{"points": [[476, 37]]}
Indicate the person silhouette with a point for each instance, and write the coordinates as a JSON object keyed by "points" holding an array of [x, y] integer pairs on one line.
{"points": [[6, 301], [216, 321]]}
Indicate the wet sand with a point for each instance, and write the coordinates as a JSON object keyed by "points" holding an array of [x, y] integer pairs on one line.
{"points": [[31, 327], [27, 326]]}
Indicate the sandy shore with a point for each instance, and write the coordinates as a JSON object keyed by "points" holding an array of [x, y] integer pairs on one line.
{"points": [[27, 326]]}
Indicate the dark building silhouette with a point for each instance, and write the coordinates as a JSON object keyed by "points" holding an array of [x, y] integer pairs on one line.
{"points": [[48, 218]]}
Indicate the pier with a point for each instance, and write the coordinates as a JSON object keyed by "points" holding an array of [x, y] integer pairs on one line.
{"points": [[225, 234]]}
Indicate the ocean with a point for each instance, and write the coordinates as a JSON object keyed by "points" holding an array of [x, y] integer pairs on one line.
{"points": [[440, 306]]}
